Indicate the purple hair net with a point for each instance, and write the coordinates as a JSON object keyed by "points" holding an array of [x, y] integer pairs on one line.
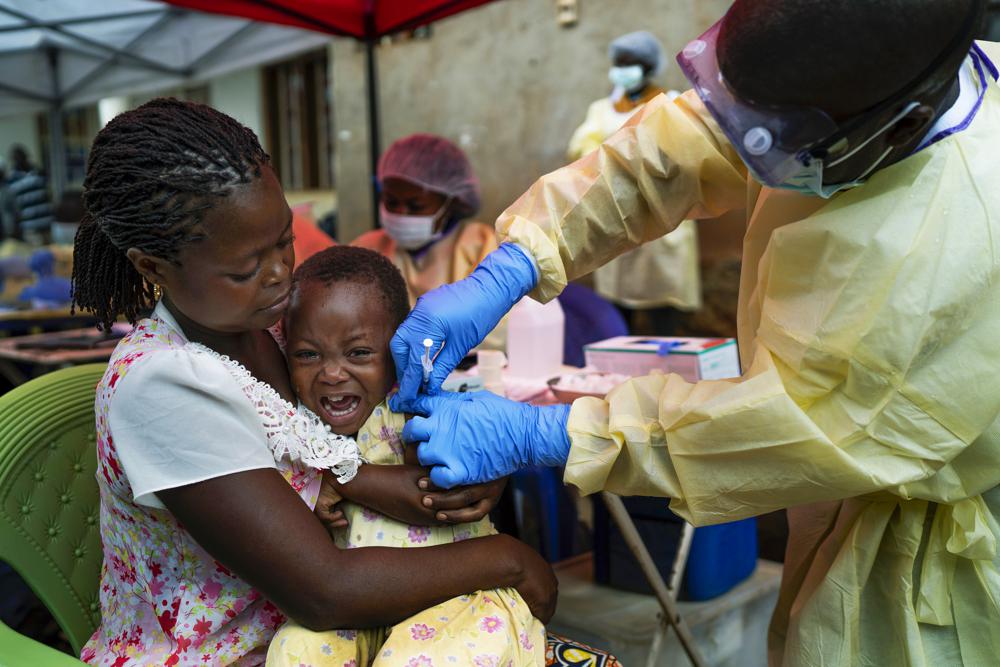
{"points": [[433, 163]]}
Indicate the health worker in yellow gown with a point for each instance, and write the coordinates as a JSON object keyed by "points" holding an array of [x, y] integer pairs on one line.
{"points": [[660, 277], [863, 138], [429, 195]]}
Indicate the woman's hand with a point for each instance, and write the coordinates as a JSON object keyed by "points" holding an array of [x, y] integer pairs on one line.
{"points": [[326, 505], [536, 583], [463, 504]]}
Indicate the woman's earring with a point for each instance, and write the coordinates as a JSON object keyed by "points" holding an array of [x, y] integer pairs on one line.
{"points": [[157, 292]]}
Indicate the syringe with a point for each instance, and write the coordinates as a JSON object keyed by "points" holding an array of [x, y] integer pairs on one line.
{"points": [[426, 361]]}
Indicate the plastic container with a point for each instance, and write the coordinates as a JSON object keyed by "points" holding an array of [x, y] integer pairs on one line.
{"points": [[721, 556], [535, 339], [489, 365]]}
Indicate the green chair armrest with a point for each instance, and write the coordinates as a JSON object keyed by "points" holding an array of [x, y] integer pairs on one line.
{"points": [[17, 650]]}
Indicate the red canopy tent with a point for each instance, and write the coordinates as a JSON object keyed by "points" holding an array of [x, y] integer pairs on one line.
{"points": [[363, 19], [366, 20]]}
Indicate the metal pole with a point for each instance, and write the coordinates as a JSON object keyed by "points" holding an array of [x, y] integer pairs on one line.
{"points": [[374, 129], [680, 562], [616, 508], [57, 143], [374, 134]]}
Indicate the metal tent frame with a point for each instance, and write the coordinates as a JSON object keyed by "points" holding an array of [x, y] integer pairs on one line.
{"points": [[62, 54]]}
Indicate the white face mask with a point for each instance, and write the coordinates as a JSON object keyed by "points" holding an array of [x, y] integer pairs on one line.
{"points": [[809, 180], [411, 232], [627, 78]]}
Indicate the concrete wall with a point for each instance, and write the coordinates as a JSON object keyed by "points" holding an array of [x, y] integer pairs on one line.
{"points": [[503, 81], [21, 129], [239, 95]]}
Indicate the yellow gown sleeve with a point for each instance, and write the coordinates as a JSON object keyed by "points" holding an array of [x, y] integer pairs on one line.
{"points": [[876, 338], [669, 163]]}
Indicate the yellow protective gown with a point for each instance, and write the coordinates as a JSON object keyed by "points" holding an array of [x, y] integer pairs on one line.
{"points": [[662, 272], [450, 259], [869, 329]]}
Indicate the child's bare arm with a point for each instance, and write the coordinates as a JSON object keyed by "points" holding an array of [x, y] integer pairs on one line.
{"points": [[391, 490], [404, 492]]}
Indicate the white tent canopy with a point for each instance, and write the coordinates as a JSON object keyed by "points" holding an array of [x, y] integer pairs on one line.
{"points": [[58, 54]]}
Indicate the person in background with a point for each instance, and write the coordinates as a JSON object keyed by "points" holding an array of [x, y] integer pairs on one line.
{"points": [[66, 216], [309, 238], [654, 283], [429, 195], [31, 196]]}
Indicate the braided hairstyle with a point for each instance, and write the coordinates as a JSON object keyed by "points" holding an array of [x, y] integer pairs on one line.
{"points": [[152, 174]]}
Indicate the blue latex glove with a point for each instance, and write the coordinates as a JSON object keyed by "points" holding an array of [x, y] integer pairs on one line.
{"points": [[478, 437], [461, 315]]}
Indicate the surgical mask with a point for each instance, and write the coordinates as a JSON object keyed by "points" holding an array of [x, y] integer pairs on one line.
{"points": [[627, 78], [809, 180], [411, 232]]}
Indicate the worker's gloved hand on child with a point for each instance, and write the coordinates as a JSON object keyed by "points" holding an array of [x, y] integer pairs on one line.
{"points": [[478, 437], [460, 315]]}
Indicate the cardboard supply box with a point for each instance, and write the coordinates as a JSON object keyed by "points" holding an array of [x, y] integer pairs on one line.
{"points": [[692, 358]]}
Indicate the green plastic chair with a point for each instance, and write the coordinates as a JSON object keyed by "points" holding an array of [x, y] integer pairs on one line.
{"points": [[49, 506]]}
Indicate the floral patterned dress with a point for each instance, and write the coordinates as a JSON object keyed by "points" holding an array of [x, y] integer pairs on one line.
{"points": [[491, 628], [164, 599]]}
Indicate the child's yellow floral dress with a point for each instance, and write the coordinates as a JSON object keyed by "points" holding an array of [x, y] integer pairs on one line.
{"points": [[484, 629]]}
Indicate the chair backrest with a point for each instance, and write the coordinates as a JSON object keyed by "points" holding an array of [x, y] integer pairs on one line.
{"points": [[49, 501]]}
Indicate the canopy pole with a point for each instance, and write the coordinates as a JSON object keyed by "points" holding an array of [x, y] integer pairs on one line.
{"points": [[57, 142], [374, 130], [374, 133]]}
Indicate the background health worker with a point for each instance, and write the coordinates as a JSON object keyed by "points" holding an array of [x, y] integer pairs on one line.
{"points": [[660, 278], [429, 194], [868, 319]]}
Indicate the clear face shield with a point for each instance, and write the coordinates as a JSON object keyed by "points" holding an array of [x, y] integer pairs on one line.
{"points": [[789, 147], [773, 143]]}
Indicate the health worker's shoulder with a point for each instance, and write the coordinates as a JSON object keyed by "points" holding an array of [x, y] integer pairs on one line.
{"points": [[476, 238], [682, 120], [376, 240]]}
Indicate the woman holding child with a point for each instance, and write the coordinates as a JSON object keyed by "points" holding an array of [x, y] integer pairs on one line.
{"points": [[209, 467]]}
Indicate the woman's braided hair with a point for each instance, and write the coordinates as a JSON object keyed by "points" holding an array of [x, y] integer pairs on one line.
{"points": [[151, 175]]}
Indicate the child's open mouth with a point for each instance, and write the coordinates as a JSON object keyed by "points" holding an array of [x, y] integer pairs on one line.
{"points": [[340, 410]]}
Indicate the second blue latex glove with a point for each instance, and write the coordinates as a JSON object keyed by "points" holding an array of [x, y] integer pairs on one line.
{"points": [[478, 437], [461, 315]]}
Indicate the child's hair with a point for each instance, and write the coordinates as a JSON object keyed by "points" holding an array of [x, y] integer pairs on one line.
{"points": [[341, 264], [151, 175]]}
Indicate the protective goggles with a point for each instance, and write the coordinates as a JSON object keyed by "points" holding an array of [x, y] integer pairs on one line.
{"points": [[774, 143]]}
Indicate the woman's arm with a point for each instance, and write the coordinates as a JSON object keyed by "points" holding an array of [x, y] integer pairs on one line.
{"points": [[404, 492], [255, 524]]}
